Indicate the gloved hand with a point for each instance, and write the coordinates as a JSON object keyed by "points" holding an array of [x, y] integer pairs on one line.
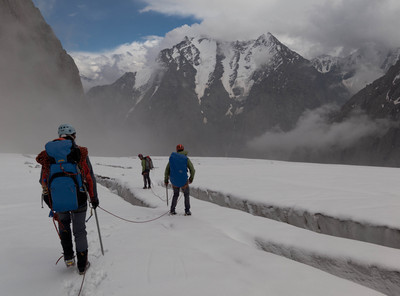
{"points": [[46, 199], [53, 215], [190, 181], [166, 183], [95, 203]]}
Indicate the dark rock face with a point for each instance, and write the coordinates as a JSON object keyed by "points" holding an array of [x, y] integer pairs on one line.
{"points": [[279, 98], [359, 68], [31, 53], [39, 82], [116, 99], [380, 101]]}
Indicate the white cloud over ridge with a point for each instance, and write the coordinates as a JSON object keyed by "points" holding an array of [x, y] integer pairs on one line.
{"points": [[309, 27], [106, 67]]}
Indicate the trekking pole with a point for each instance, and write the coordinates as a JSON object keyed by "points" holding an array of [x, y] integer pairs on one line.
{"points": [[166, 189], [97, 222], [98, 229]]}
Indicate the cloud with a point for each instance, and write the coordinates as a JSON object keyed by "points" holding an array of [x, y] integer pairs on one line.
{"points": [[314, 133], [107, 66], [310, 27]]}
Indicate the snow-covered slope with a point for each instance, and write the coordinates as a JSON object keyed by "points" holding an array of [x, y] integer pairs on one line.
{"points": [[216, 251]]}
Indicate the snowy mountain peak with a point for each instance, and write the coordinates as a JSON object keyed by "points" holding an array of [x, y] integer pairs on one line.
{"points": [[243, 59], [239, 59], [268, 40], [127, 80], [325, 63]]}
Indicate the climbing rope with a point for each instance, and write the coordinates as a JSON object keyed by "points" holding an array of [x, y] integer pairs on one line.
{"points": [[155, 194], [59, 259], [132, 221], [83, 278], [55, 226]]}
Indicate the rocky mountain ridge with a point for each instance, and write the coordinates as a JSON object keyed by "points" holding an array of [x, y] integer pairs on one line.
{"points": [[359, 68], [380, 101], [224, 92]]}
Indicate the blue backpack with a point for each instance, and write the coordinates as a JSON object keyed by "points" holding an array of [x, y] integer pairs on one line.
{"points": [[65, 180], [178, 169]]}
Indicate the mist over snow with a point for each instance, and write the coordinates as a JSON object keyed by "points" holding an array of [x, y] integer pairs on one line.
{"points": [[315, 133]]}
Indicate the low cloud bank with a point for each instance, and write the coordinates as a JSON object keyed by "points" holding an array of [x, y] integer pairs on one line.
{"points": [[314, 133]]}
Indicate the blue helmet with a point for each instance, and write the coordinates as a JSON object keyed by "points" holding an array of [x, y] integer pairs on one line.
{"points": [[66, 129]]}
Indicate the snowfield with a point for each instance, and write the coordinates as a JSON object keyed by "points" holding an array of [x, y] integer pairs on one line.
{"points": [[330, 230]]}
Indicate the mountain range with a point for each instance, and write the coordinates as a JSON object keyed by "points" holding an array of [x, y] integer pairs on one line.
{"points": [[214, 95]]}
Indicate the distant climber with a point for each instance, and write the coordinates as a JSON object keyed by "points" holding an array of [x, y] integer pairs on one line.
{"points": [[147, 165], [176, 171]]}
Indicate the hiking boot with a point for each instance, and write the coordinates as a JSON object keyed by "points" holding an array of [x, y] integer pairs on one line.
{"points": [[144, 187], [172, 212], [87, 267], [82, 261], [69, 262], [188, 213]]}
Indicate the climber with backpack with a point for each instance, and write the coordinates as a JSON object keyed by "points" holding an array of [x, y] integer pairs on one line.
{"points": [[176, 171], [67, 179], [147, 165]]}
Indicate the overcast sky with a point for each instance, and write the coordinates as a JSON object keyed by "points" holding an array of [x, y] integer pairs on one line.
{"points": [[309, 27]]}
